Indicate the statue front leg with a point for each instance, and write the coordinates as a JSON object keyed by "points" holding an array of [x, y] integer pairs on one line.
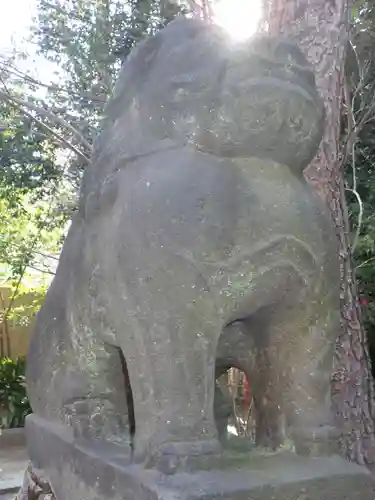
{"points": [[173, 378], [97, 407]]}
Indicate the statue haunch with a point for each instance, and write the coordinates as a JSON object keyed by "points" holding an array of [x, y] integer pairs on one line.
{"points": [[194, 216]]}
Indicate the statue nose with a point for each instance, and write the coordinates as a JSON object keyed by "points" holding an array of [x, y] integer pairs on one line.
{"points": [[278, 49]]}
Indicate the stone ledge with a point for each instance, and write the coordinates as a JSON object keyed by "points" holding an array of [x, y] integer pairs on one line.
{"points": [[13, 461], [8, 496], [11, 489], [12, 437], [78, 470]]}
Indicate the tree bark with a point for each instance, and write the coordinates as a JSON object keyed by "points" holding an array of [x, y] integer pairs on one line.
{"points": [[320, 28]]}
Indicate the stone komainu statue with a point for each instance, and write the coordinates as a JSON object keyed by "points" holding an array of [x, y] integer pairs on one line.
{"points": [[194, 224]]}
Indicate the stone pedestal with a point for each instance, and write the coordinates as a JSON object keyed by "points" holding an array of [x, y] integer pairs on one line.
{"points": [[79, 471]]}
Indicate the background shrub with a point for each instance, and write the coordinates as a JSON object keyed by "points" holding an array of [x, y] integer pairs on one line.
{"points": [[14, 404]]}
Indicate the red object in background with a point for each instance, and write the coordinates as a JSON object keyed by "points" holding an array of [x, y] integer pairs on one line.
{"points": [[363, 301], [246, 392]]}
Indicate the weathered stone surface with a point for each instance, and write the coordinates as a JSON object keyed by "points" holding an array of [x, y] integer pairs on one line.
{"points": [[80, 473], [197, 245]]}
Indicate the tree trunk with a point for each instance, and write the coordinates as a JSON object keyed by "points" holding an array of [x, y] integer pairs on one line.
{"points": [[320, 28], [102, 41], [201, 9]]}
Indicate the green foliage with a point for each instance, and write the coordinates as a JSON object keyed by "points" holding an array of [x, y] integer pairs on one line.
{"points": [[31, 220], [360, 167], [89, 39], [14, 404], [27, 156], [30, 232], [29, 298], [30, 177]]}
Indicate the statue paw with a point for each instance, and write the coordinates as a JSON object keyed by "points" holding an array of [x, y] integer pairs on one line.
{"points": [[316, 441], [239, 444], [96, 419]]}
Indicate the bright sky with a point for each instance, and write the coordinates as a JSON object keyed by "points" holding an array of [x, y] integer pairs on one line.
{"points": [[16, 16], [239, 17], [15, 21]]}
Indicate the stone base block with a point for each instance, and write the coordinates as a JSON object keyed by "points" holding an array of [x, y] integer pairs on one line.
{"points": [[82, 471]]}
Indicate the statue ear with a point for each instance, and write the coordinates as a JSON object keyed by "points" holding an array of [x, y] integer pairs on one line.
{"points": [[141, 59], [143, 55], [133, 75], [139, 62], [184, 28]]}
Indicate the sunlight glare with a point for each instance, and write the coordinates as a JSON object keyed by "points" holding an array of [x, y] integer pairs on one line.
{"points": [[239, 18]]}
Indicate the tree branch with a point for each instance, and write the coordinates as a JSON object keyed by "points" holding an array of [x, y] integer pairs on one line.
{"points": [[360, 219], [68, 144], [47, 114], [46, 271], [15, 71]]}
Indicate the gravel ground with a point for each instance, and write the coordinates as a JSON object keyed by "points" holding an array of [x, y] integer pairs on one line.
{"points": [[13, 462]]}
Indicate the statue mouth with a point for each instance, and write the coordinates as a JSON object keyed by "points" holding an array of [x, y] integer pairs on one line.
{"points": [[284, 84], [275, 116]]}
